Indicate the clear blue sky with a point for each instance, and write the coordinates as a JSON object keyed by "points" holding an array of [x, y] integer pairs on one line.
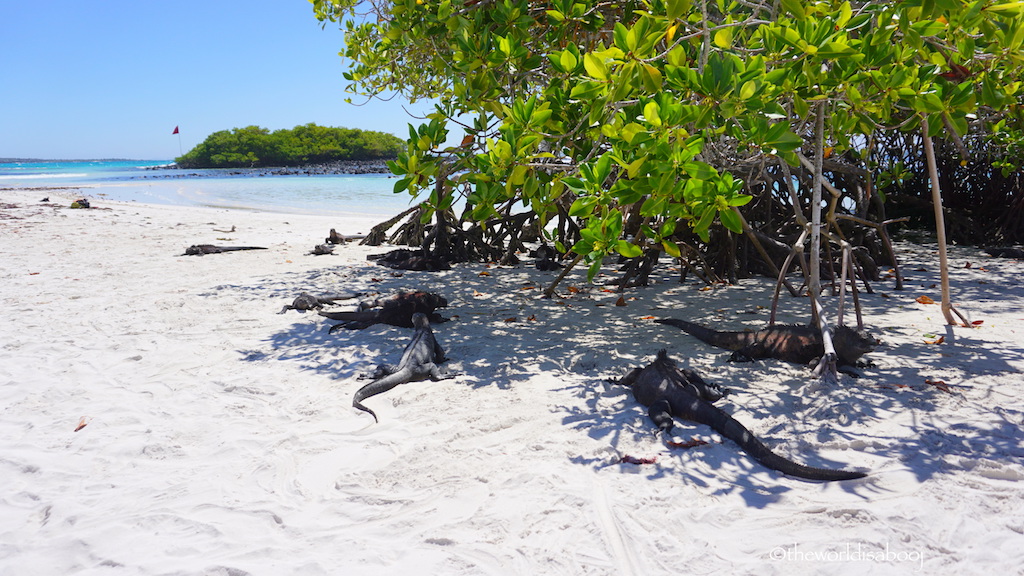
{"points": [[112, 78]]}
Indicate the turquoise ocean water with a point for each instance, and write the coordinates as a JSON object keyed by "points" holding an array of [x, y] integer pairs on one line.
{"points": [[130, 181]]}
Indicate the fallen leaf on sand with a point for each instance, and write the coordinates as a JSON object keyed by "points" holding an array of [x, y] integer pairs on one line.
{"points": [[512, 319], [484, 273], [82, 423], [925, 300], [621, 301], [647, 317], [691, 443], [33, 273], [938, 340], [939, 384], [977, 322]]}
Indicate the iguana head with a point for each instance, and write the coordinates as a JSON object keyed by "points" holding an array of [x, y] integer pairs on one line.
{"points": [[851, 344], [420, 320]]}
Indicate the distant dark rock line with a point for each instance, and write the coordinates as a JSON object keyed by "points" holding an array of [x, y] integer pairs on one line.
{"points": [[321, 169]]}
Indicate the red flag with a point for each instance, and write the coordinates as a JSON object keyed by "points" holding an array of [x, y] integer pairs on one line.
{"points": [[175, 130]]}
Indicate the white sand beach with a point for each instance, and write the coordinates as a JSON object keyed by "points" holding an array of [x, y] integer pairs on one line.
{"points": [[219, 436]]}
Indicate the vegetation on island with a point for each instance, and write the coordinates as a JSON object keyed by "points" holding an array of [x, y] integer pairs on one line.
{"points": [[254, 147], [729, 134]]}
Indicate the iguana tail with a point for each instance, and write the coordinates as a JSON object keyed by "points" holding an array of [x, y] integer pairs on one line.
{"points": [[352, 320], [342, 296], [705, 413], [376, 387], [233, 248], [727, 340]]}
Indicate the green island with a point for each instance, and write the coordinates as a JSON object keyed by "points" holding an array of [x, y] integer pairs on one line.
{"points": [[256, 147]]}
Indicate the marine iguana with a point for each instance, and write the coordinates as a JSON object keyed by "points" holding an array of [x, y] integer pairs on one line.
{"points": [[419, 362], [201, 249], [396, 310], [1004, 252], [670, 392], [545, 256], [321, 249], [413, 260], [306, 301], [790, 343], [335, 238]]}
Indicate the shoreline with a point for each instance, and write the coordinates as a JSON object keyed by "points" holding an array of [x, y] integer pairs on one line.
{"points": [[69, 194], [161, 417], [335, 168], [339, 195]]}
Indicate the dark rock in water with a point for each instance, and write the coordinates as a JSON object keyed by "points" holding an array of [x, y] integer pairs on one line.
{"points": [[320, 169]]}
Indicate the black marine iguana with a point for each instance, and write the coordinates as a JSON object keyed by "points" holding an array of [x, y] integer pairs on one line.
{"points": [[306, 301], [413, 260], [201, 249], [335, 238], [1004, 252], [670, 392], [799, 344], [321, 250], [419, 362], [545, 256], [397, 310]]}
